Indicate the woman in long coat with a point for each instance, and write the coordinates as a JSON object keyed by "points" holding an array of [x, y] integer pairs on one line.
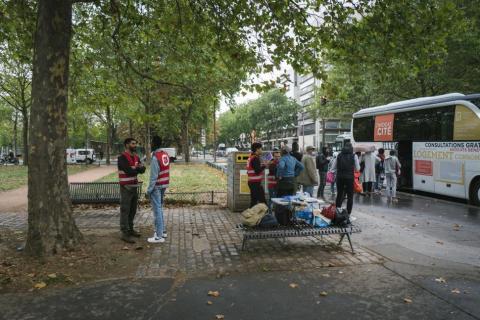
{"points": [[370, 159]]}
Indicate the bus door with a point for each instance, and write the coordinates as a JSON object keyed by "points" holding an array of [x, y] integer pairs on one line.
{"points": [[404, 153]]}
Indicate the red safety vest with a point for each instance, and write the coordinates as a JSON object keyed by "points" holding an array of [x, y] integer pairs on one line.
{"points": [[123, 177], [163, 178], [252, 176], [271, 179]]}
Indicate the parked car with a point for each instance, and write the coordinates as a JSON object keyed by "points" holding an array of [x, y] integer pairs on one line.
{"points": [[85, 155], [70, 156], [172, 153]]}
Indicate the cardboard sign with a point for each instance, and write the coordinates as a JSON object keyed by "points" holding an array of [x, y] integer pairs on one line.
{"points": [[383, 128]]}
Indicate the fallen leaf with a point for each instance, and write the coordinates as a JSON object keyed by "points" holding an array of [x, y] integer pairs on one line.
{"points": [[52, 275], [456, 291], [414, 225], [323, 294], [139, 248], [441, 280], [293, 285], [456, 225], [439, 242], [125, 248], [31, 275], [209, 303], [326, 275], [213, 293], [407, 300], [219, 317], [70, 264], [40, 285]]}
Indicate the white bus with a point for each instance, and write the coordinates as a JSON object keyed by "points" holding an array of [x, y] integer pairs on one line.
{"points": [[437, 140]]}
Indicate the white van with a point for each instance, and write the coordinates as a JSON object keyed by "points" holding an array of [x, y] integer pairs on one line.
{"points": [[85, 155]]}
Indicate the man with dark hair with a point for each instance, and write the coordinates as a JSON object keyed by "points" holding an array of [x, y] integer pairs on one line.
{"points": [[129, 166], [255, 172], [159, 181], [296, 151]]}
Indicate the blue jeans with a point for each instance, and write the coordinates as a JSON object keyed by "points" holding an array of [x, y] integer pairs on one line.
{"points": [[156, 198], [309, 190]]}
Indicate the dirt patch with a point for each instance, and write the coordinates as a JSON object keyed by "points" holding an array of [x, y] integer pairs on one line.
{"points": [[101, 256]]}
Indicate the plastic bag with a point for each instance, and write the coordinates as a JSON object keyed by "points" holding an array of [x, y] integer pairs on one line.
{"points": [[357, 186], [319, 222], [330, 177]]}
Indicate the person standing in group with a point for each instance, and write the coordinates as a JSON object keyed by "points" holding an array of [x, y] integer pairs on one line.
{"points": [[392, 168], [159, 181], [255, 172], [129, 166], [322, 160], [333, 158], [379, 170], [272, 177], [287, 169], [344, 166], [370, 161], [296, 151], [308, 178]]}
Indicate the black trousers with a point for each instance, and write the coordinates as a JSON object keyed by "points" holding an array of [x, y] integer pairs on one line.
{"points": [[128, 207], [344, 186], [286, 187], [257, 193], [367, 186]]}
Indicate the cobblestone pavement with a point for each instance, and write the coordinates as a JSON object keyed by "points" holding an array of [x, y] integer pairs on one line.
{"points": [[203, 240]]}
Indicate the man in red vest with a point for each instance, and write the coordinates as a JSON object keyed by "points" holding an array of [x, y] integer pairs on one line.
{"points": [[129, 166], [159, 180], [255, 172]]}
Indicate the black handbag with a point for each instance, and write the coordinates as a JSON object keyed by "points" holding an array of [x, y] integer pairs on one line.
{"points": [[283, 215], [342, 218]]}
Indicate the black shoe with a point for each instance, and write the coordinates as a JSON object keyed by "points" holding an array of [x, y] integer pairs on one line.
{"points": [[126, 238], [134, 233]]}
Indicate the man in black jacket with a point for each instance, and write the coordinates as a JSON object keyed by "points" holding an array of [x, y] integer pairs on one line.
{"points": [[322, 161], [129, 166]]}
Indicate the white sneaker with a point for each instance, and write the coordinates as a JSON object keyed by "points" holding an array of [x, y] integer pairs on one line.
{"points": [[164, 235], [154, 239]]}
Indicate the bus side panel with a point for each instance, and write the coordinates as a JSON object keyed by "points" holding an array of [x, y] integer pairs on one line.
{"points": [[423, 169]]}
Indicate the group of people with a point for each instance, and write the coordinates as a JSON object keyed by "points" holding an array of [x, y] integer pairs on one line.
{"points": [[129, 167], [289, 170]]}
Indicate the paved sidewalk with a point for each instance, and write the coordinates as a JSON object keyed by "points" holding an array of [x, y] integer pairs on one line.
{"points": [[16, 200]]}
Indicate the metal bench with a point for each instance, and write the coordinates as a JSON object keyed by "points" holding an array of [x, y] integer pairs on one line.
{"points": [[298, 229], [96, 192]]}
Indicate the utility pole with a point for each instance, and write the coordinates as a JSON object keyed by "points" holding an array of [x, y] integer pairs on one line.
{"points": [[214, 131]]}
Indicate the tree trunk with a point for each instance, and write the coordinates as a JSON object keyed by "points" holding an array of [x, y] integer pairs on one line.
{"points": [[109, 136], [51, 227], [148, 134], [15, 134], [25, 137], [186, 138]]}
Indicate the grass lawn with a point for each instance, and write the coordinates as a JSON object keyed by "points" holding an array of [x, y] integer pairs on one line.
{"points": [[186, 178], [13, 177]]}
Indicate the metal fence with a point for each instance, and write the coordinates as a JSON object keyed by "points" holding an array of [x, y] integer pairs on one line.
{"points": [[195, 198]]}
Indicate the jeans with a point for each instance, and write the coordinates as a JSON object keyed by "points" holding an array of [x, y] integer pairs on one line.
{"points": [[344, 186], [391, 184], [308, 189], [156, 198], [323, 183], [128, 207]]}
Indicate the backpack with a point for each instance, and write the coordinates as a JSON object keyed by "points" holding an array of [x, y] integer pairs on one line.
{"points": [[252, 216]]}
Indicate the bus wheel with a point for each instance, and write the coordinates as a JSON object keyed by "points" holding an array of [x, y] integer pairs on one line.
{"points": [[475, 193]]}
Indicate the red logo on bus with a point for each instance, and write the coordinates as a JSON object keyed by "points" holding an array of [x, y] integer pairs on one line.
{"points": [[383, 128], [424, 167]]}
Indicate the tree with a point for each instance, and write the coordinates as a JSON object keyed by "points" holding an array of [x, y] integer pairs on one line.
{"points": [[51, 226], [16, 50]]}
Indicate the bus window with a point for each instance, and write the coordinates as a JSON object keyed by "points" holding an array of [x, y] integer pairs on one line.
{"points": [[363, 129], [433, 124]]}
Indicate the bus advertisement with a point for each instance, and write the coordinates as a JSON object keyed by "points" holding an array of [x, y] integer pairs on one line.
{"points": [[437, 140]]}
